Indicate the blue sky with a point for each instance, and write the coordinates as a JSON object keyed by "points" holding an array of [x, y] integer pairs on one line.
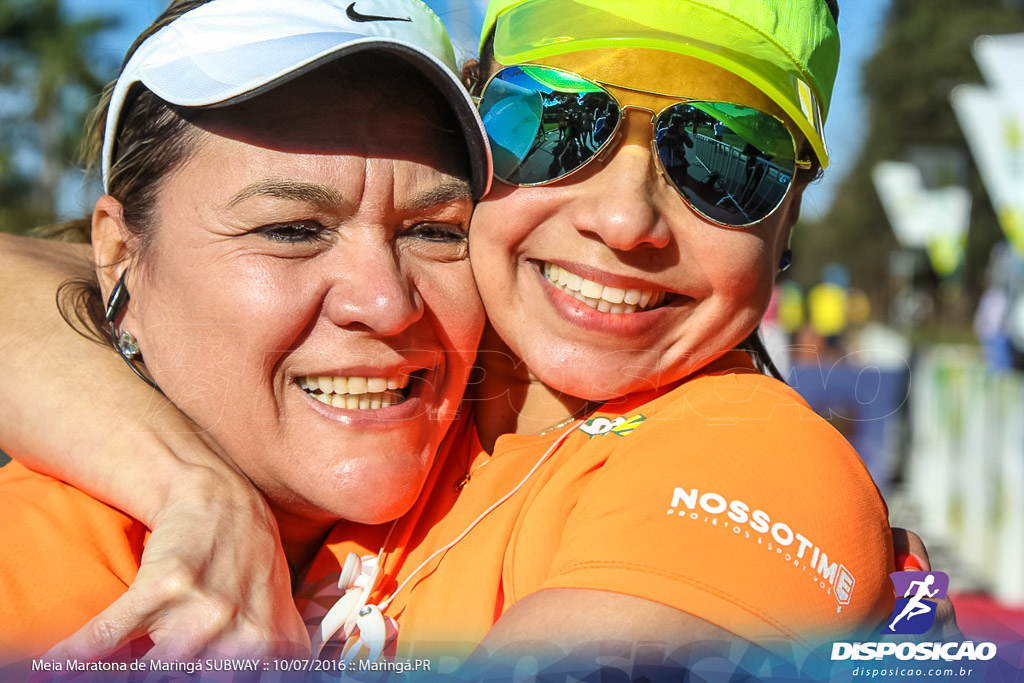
{"points": [[860, 25]]}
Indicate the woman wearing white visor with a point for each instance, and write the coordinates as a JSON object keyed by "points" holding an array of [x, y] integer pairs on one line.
{"points": [[288, 191]]}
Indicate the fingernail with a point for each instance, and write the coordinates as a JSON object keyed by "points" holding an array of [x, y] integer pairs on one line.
{"points": [[909, 562]]}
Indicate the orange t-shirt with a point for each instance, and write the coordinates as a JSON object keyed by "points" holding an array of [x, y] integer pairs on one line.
{"points": [[725, 497], [65, 558]]}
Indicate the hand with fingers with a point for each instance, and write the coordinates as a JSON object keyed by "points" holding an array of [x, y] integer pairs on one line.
{"points": [[213, 581]]}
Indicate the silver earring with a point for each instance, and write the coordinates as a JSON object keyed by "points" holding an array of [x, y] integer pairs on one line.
{"points": [[128, 346]]}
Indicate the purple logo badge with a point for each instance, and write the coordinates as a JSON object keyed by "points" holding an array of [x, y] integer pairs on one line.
{"points": [[916, 596]]}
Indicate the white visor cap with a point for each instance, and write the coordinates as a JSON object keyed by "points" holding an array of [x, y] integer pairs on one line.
{"points": [[226, 51]]}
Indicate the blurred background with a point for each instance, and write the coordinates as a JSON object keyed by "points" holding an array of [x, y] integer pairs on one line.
{"points": [[902, 318]]}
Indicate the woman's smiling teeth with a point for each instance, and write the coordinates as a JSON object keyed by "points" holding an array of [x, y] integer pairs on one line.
{"points": [[356, 393], [604, 299]]}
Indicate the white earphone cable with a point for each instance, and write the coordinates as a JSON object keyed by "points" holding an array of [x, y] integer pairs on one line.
{"points": [[558, 442]]}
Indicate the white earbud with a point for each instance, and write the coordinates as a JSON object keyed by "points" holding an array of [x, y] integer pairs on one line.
{"points": [[353, 568], [355, 622], [372, 634], [336, 618]]}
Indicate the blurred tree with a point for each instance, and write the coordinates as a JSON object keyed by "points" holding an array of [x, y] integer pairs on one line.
{"points": [[924, 52], [48, 78]]}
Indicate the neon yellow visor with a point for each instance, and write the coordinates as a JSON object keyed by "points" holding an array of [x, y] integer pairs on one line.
{"points": [[787, 49]]}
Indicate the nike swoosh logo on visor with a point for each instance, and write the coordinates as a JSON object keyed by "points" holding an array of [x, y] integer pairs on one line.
{"points": [[354, 15]]}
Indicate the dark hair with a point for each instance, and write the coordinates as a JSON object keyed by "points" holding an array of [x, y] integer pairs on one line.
{"points": [[153, 141]]}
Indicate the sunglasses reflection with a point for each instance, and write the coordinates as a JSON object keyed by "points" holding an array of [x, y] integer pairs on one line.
{"points": [[583, 127], [719, 168], [731, 163]]}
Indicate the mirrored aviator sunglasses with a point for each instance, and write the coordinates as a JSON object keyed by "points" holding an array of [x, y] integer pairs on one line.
{"points": [[732, 164]]}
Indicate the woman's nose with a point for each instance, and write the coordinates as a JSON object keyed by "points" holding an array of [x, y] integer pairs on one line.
{"points": [[621, 205], [371, 293]]}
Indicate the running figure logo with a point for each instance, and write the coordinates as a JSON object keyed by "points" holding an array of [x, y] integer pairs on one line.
{"points": [[914, 612]]}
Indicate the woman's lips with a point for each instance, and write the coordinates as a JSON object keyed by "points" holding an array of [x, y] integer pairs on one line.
{"points": [[653, 309], [604, 298], [356, 393]]}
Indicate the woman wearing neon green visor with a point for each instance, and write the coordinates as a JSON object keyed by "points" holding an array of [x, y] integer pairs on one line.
{"points": [[627, 473]]}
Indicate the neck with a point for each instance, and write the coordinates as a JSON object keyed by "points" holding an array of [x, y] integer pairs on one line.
{"points": [[301, 538], [510, 400]]}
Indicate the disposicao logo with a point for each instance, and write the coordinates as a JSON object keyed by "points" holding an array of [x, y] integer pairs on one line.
{"points": [[917, 596]]}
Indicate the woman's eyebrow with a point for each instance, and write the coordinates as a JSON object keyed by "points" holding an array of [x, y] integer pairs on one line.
{"points": [[449, 190], [295, 190]]}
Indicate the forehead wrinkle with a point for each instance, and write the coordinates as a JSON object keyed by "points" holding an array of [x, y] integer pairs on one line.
{"points": [[294, 190]]}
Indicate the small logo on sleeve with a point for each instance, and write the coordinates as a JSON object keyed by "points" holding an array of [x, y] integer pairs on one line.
{"points": [[620, 426], [917, 596]]}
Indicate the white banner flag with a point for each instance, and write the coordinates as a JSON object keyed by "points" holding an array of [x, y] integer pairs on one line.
{"points": [[936, 220], [994, 133]]}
